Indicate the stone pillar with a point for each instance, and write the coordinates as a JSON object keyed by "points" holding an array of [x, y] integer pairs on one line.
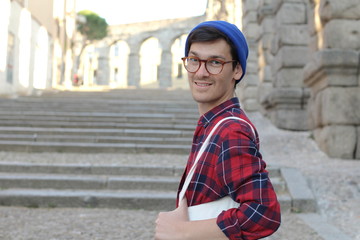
{"points": [[333, 76], [103, 69], [247, 89], [287, 102], [266, 20], [134, 70], [164, 77]]}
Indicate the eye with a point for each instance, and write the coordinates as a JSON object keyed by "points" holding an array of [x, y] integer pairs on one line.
{"points": [[193, 60], [214, 62]]}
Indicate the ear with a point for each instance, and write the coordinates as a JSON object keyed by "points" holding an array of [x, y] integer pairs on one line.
{"points": [[238, 72]]}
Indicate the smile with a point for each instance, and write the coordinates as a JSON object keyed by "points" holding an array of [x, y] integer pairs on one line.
{"points": [[203, 84]]}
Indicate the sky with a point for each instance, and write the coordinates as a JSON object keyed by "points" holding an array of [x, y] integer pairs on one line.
{"points": [[130, 11]]}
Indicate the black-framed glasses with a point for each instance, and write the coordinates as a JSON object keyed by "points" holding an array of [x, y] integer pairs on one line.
{"points": [[212, 65]]}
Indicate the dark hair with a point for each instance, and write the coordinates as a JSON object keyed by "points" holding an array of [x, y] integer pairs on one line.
{"points": [[209, 34]]}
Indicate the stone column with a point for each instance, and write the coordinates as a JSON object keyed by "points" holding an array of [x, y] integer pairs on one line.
{"points": [[103, 68], [333, 76], [134, 70], [266, 20], [164, 77], [286, 104], [248, 87]]}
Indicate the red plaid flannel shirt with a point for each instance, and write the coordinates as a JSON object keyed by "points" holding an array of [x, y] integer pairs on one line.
{"points": [[232, 165]]}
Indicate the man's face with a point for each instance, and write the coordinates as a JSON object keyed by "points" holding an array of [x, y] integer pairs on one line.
{"points": [[211, 90]]}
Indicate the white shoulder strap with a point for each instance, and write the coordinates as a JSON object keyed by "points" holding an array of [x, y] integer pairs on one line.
{"points": [[201, 151]]}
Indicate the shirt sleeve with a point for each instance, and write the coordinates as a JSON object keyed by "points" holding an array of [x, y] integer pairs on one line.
{"points": [[241, 172]]}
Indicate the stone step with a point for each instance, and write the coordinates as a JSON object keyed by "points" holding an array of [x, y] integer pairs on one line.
{"points": [[101, 169], [94, 124], [95, 139], [40, 103], [86, 109], [184, 119], [88, 169], [99, 182], [125, 199], [79, 147], [35, 131], [84, 185], [129, 121], [88, 182]]}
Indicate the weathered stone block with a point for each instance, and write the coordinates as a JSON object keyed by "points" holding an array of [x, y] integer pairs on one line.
{"points": [[268, 25], [253, 56], [251, 92], [343, 34], [289, 77], [332, 67], [264, 12], [266, 40], [288, 97], [291, 13], [290, 57], [265, 74], [268, 57], [314, 109], [251, 5], [250, 80], [310, 11], [264, 89], [250, 105], [290, 119], [252, 31], [252, 67], [331, 9], [337, 141], [251, 17], [294, 35], [313, 43], [340, 106]]}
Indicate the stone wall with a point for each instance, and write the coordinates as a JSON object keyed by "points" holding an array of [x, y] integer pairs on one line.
{"points": [[333, 76], [308, 54], [284, 52], [248, 87]]}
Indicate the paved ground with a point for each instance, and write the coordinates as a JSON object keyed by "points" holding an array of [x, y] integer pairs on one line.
{"points": [[335, 183]]}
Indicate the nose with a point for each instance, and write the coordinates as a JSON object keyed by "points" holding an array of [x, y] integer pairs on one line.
{"points": [[202, 70]]}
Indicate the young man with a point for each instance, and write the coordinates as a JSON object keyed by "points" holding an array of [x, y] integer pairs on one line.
{"points": [[231, 165]]}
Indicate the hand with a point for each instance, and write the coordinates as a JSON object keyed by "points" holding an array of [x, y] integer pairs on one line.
{"points": [[170, 225]]}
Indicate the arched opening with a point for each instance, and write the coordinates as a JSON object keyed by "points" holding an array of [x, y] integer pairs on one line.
{"points": [[179, 75], [150, 58], [119, 56]]}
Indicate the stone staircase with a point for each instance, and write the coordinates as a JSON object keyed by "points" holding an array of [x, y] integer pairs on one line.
{"points": [[122, 122], [118, 121], [84, 185]]}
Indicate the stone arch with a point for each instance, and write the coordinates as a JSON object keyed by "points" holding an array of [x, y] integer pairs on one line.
{"points": [[119, 57], [135, 35], [150, 58], [179, 76]]}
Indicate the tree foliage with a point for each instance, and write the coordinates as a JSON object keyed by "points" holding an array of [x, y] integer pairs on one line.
{"points": [[94, 28]]}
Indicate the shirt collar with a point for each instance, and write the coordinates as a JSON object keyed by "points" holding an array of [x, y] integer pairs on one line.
{"points": [[218, 110]]}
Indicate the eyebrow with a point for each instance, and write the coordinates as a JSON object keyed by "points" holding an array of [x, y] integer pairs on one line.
{"points": [[212, 56]]}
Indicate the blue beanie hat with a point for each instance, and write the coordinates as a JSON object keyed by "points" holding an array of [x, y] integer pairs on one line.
{"points": [[234, 34]]}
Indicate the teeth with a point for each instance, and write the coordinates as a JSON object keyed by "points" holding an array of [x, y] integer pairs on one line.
{"points": [[203, 84]]}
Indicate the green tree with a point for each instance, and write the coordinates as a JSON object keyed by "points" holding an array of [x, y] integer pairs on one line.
{"points": [[92, 28]]}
